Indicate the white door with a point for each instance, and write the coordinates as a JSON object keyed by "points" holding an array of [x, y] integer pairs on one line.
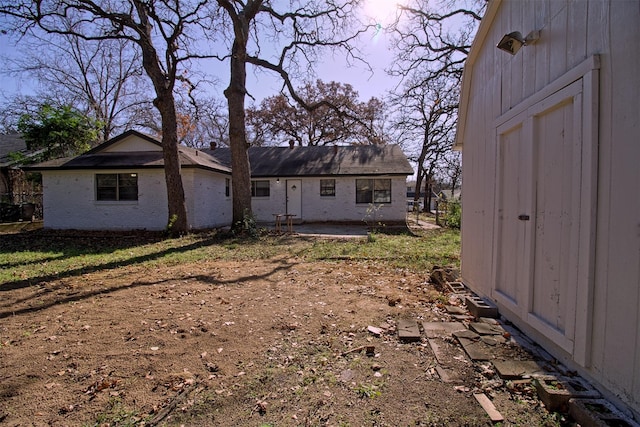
{"points": [[557, 159], [513, 225], [540, 247], [294, 198]]}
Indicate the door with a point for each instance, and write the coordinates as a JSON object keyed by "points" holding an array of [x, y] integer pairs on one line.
{"points": [[294, 198], [513, 223], [539, 242], [557, 159]]}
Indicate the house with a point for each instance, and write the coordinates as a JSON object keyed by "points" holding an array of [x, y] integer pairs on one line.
{"points": [[10, 144], [437, 194], [120, 185], [18, 194], [550, 138]]}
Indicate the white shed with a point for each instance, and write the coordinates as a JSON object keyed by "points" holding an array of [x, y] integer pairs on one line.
{"points": [[551, 146]]}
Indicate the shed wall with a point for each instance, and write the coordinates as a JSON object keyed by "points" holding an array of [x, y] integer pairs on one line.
{"points": [[571, 32]]}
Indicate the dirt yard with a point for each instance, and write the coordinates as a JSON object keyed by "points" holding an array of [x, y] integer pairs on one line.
{"points": [[272, 342]]}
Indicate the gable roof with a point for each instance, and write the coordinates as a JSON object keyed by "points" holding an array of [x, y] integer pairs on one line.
{"points": [[123, 136], [323, 160], [99, 158]]}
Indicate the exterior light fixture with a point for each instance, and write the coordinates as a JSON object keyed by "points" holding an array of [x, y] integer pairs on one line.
{"points": [[512, 42]]}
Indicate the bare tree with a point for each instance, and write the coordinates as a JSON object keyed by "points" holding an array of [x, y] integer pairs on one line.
{"points": [[101, 78], [282, 121], [425, 123], [432, 40], [203, 123], [296, 34], [162, 31]]}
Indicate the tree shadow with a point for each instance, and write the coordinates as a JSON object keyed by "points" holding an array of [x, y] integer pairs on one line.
{"points": [[72, 249], [81, 296]]}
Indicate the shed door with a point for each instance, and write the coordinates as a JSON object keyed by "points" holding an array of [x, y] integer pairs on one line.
{"points": [[540, 197]]}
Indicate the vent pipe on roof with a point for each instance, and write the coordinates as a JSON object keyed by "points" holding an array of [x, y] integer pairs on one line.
{"points": [[292, 143], [335, 149]]}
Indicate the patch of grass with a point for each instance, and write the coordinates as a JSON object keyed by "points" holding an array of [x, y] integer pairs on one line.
{"points": [[29, 258], [434, 247], [118, 415], [368, 391]]}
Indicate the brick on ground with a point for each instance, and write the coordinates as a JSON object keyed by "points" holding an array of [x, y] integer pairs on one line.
{"points": [[435, 329], [514, 369], [408, 330]]}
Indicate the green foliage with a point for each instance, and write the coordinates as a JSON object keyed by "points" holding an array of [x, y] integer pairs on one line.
{"points": [[61, 131], [17, 157], [170, 224], [247, 225], [118, 415], [454, 214], [368, 391]]}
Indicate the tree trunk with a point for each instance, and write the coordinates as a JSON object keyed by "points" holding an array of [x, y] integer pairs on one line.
{"points": [[240, 168], [177, 222]]}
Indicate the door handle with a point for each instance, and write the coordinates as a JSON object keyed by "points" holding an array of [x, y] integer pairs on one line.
{"points": [[523, 217]]}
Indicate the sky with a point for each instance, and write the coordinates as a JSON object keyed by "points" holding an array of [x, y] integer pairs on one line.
{"points": [[368, 83]]}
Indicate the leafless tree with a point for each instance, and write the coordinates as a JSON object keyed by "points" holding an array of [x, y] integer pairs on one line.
{"points": [[296, 32], [425, 122], [283, 121], [203, 123], [432, 40], [163, 31], [102, 78]]}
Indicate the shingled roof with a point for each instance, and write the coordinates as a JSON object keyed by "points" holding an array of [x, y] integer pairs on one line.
{"points": [[322, 160], [11, 143], [265, 161], [189, 157]]}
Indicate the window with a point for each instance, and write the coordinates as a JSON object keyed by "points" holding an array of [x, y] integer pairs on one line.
{"points": [[117, 186], [227, 187], [260, 189], [327, 187], [373, 191]]}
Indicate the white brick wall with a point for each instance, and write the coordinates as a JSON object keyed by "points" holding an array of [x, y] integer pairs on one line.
{"points": [[69, 202], [341, 207]]}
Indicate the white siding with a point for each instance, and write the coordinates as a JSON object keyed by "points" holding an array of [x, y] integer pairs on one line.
{"points": [[341, 207], [130, 144], [498, 83]]}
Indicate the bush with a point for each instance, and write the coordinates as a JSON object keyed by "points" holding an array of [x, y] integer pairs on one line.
{"points": [[454, 214]]}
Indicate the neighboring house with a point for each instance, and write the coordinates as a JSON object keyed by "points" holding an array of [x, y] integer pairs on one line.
{"points": [[9, 143], [16, 190], [120, 185], [551, 145], [436, 196]]}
